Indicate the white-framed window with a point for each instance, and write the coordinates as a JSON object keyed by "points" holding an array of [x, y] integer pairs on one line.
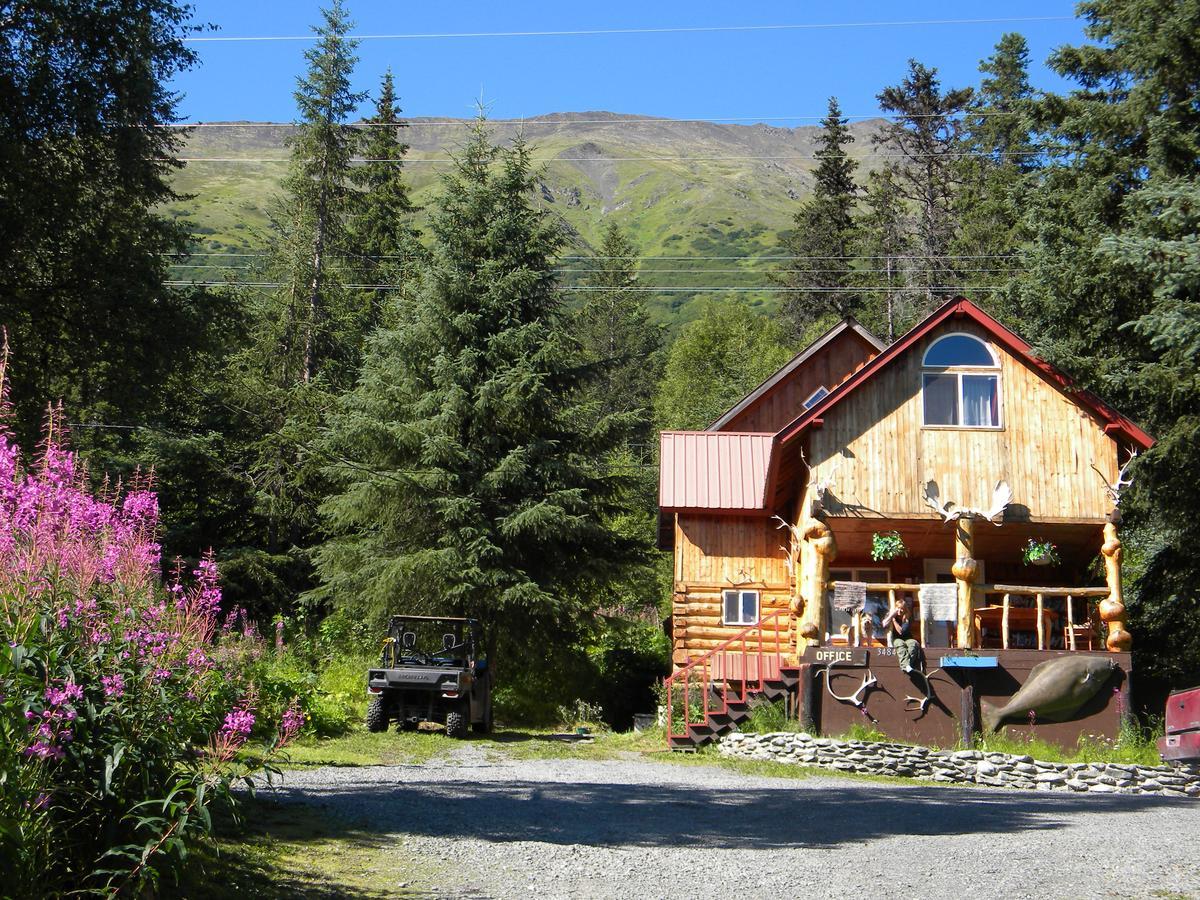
{"points": [[960, 384], [816, 397], [739, 607]]}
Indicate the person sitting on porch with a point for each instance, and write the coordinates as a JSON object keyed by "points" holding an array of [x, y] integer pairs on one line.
{"points": [[898, 624]]}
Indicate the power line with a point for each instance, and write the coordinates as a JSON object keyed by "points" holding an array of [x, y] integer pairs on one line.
{"points": [[623, 121], [703, 270], [941, 256], [642, 289], [954, 154], [687, 29]]}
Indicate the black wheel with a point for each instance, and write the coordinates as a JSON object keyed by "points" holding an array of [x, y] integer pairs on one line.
{"points": [[456, 724], [484, 727], [377, 717]]}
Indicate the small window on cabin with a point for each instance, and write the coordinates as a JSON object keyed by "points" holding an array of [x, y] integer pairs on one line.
{"points": [[816, 397], [957, 389], [740, 608]]}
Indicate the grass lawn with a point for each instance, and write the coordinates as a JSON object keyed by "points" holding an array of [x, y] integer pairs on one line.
{"points": [[279, 852]]}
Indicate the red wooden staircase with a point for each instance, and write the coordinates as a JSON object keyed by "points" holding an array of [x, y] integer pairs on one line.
{"points": [[714, 692]]}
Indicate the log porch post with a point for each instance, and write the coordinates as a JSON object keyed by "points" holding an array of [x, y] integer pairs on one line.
{"points": [[1112, 607], [817, 552], [966, 571]]}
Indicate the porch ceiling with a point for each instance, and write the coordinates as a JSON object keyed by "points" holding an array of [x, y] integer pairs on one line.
{"points": [[1077, 542]]}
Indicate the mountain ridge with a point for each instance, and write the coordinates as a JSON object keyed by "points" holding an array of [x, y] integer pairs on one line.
{"points": [[689, 190]]}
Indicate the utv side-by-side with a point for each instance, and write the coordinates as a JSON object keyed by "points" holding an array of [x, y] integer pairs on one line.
{"points": [[430, 671]]}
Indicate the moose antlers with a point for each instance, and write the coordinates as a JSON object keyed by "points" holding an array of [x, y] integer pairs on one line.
{"points": [[950, 511]]}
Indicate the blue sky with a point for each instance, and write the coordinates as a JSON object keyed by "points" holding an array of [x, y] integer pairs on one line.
{"points": [[749, 74]]}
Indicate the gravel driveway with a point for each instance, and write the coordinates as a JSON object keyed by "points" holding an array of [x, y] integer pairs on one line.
{"points": [[643, 828]]}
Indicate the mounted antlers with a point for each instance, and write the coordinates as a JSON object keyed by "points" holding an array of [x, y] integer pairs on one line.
{"points": [[922, 702], [950, 511], [1114, 490], [858, 698]]}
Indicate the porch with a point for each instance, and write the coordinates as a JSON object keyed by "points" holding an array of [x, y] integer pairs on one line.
{"points": [[1001, 599]]}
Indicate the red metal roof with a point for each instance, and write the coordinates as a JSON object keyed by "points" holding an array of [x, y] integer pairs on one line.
{"points": [[715, 470]]}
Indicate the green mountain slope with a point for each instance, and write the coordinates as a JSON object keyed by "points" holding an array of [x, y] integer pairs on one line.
{"points": [[688, 189]]}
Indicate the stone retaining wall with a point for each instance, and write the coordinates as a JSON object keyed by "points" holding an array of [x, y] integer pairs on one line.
{"points": [[963, 766]]}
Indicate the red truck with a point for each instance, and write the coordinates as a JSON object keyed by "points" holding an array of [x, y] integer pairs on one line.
{"points": [[1182, 740]]}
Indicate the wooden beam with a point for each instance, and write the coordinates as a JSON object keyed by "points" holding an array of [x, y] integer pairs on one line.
{"points": [[1004, 622], [966, 572], [1112, 609], [1041, 623]]}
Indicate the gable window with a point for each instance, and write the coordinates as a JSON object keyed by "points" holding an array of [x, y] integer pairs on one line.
{"points": [[740, 608], [816, 397], [960, 383]]}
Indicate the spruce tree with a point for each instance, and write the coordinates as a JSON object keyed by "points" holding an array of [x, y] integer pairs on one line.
{"points": [[821, 274], [306, 337], [86, 160], [923, 142], [310, 325], [884, 244], [1109, 291], [616, 336], [382, 240], [471, 480], [997, 169]]}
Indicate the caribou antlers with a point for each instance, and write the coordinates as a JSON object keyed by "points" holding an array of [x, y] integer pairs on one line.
{"points": [[922, 702], [1114, 490], [858, 698], [950, 511]]}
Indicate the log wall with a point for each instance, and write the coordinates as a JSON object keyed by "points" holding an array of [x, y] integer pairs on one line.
{"points": [[718, 553], [878, 456]]}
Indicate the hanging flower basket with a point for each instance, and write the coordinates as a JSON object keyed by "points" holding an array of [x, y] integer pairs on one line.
{"points": [[1039, 552], [887, 545]]}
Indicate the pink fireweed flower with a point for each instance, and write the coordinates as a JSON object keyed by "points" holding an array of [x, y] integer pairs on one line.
{"points": [[290, 724], [114, 685], [239, 722]]}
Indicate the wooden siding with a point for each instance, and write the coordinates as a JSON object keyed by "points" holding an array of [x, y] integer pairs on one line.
{"points": [[827, 367], [873, 449], [729, 550], [714, 553]]}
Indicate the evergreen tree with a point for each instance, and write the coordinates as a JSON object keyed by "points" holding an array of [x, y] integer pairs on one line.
{"points": [[307, 337], [311, 326], [885, 246], [715, 361], [1000, 158], [1126, 151], [821, 242], [382, 238], [470, 478], [616, 335], [85, 163], [924, 143]]}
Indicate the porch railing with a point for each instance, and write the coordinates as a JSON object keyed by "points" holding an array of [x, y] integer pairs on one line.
{"points": [[1080, 604], [747, 660]]}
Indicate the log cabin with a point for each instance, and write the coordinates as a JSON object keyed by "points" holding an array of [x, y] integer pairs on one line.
{"points": [[953, 473]]}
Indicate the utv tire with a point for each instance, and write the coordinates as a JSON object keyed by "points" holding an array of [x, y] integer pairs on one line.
{"points": [[456, 725], [484, 727], [377, 717]]}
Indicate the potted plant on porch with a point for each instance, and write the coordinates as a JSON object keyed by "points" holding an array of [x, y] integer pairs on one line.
{"points": [[887, 545], [1040, 552]]}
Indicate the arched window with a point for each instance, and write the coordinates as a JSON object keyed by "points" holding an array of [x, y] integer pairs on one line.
{"points": [[960, 383]]}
